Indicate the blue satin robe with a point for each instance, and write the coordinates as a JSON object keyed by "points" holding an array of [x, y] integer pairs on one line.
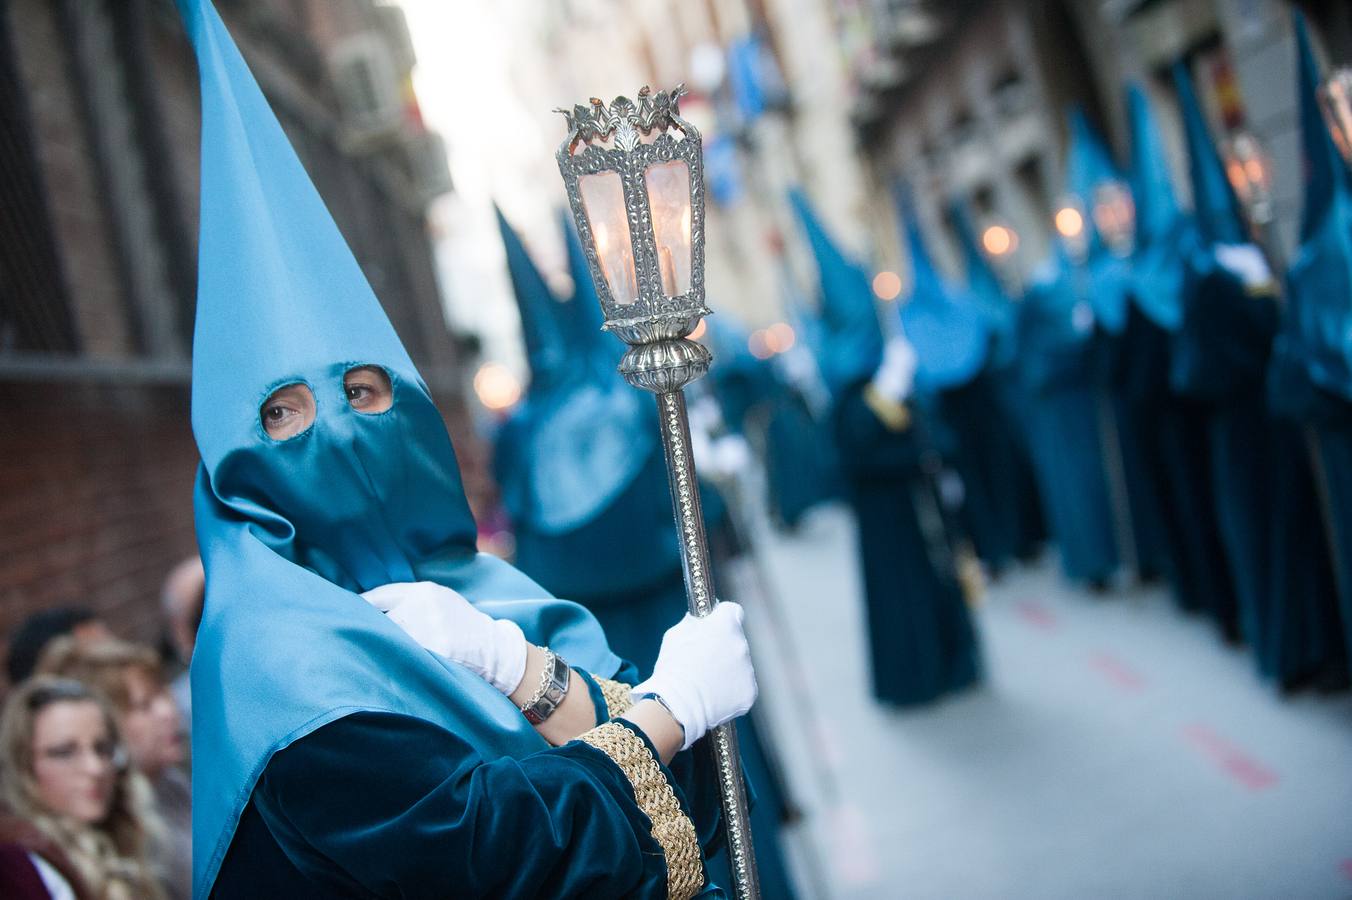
{"points": [[921, 639]]}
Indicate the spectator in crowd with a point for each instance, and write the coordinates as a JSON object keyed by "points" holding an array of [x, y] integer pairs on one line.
{"points": [[41, 628], [181, 603], [129, 676], [73, 823]]}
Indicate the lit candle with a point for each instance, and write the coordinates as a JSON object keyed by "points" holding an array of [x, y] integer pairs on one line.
{"points": [[668, 271]]}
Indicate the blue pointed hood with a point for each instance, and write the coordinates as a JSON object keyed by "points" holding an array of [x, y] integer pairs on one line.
{"points": [[1318, 326], [1162, 230], [581, 316], [851, 342], [951, 337], [1216, 209], [980, 277], [537, 305], [1055, 325], [291, 530], [1089, 166], [582, 435], [739, 380], [1326, 175], [1088, 163]]}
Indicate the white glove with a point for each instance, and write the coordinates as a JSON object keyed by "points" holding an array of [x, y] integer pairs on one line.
{"points": [[1245, 262], [447, 624], [896, 376], [722, 457], [703, 672]]}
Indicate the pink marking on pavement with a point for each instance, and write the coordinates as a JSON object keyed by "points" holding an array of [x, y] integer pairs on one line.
{"points": [[1229, 758], [1117, 672], [1037, 615], [852, 853], [1346, 867]]}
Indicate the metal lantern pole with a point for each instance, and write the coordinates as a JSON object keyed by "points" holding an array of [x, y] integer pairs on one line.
{"points": [[633, 172]]}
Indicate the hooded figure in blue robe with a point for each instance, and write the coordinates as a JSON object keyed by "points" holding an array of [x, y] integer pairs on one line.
{"points": [[1169, 429], [1060, 374], [955, 340], [1003, 315], [761, 405], [1263, 486], [1310, 379], [1104, 275], [585, 484], [333, 755], [581, 470], [921, 638]]}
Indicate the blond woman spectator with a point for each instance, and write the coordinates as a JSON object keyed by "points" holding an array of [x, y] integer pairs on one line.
{"points": [[72, 806]]}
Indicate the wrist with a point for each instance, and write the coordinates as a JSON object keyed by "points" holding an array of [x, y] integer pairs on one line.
{"points": [[675, 699]]}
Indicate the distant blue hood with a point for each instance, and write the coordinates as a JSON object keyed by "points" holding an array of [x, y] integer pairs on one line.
{"points": [[1215, 207], [582, 433], [1163, 232], [1319, 308], [1088, 167], [945, 325], [850, 341], [985, 286]]}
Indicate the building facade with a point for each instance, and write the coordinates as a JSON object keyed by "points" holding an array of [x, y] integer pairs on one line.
{"points": [[98, 187]]}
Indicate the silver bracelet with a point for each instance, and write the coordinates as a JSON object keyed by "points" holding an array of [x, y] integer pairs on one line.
{"points": [[553, 688]]}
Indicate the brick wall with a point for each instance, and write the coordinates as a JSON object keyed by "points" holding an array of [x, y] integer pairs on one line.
{"points": [[70, 178], [97, 499], [96, 477]]}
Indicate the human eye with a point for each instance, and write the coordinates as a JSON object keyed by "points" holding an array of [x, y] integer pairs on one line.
{"points": [[288, 412], [62, 752], [368, 389]]}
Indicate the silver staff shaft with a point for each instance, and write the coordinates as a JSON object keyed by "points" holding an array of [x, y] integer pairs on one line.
{"points": [[699, 592]]}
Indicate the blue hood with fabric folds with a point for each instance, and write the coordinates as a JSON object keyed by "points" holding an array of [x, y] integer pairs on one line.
{"points": [[1215, 207], [985, 286], [1055, 325], [850, 340], [582, 434], [951, 336], [1089, 167], [1163, 232], [1320, 277], [1226, 338], [291, 530]]}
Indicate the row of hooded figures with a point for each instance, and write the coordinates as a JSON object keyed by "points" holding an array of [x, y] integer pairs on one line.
{"points": [[1177, 410], [334, 755]]}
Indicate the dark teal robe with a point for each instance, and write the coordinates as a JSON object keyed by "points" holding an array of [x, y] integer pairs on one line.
{"points": [[1057, 370], [921, 639], [387, 805], [986, 454], [1261, 470], [1174, 449], [1140, 480]]}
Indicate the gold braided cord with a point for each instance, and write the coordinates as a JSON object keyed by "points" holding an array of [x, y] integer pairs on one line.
{"points": [[891, 413], [672, 828], [617, 696]]}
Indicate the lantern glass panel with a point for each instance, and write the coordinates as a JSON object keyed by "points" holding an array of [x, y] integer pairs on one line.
{"points": [[669, 199], [603, 200]]}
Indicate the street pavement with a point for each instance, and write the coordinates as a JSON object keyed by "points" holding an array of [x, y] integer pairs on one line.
{"points": [[1118, 749]]}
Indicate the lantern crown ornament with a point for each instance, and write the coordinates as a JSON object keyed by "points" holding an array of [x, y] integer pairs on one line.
{"points": [[633, 172]]}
